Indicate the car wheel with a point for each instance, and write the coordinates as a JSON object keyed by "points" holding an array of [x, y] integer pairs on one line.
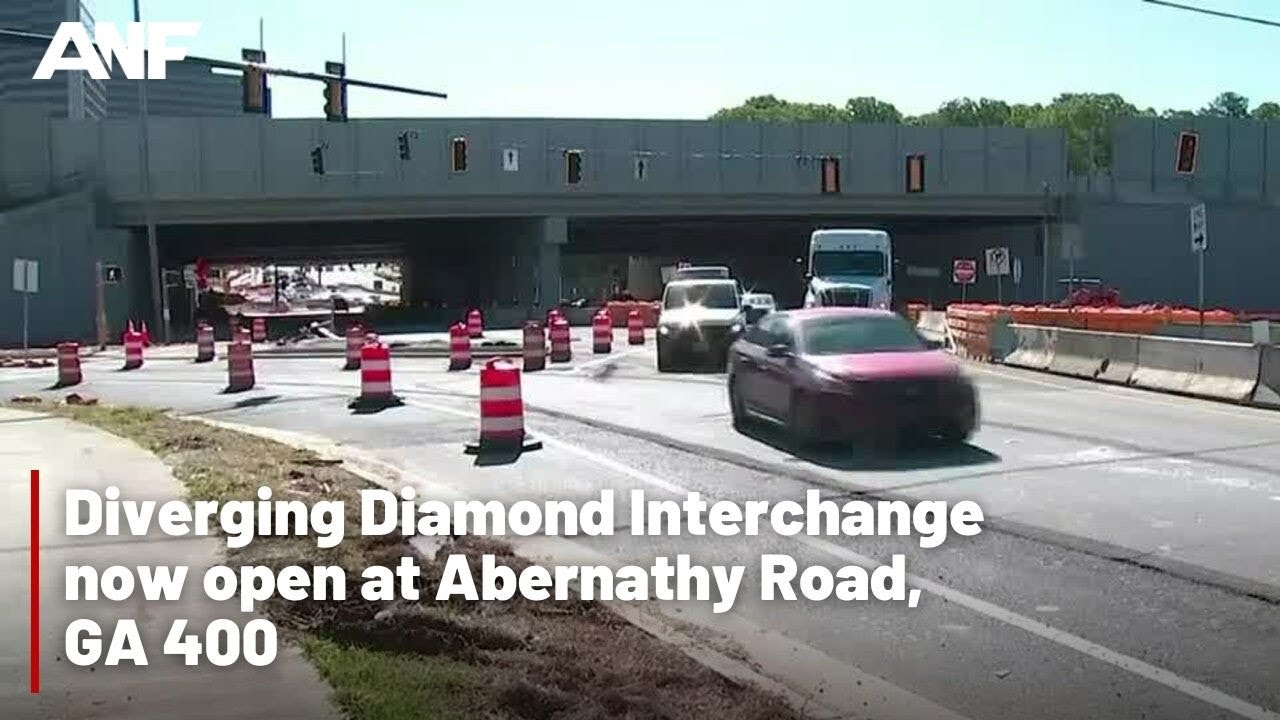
{"points": [[955, 433], [736, 408]]}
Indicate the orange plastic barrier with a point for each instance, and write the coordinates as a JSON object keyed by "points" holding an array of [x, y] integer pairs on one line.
{"points": [[620, 311], [970, 327], [1140, 320]]}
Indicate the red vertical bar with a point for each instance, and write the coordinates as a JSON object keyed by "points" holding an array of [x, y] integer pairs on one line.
{"points": [[35, 582]]}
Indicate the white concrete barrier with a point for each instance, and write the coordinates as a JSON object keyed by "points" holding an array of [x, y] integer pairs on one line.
{"points": [[932, 324], [1221, 370], [1268, 391], [1033, 346], [1110, 357]]}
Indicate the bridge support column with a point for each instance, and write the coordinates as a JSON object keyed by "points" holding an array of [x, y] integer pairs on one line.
{"points": [[553, 233]]}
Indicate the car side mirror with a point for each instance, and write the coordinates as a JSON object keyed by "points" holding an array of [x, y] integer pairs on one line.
{"points": [[778, 351], [935, 344]]}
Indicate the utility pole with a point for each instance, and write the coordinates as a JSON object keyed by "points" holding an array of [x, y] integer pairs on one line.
{"points": [[1044, 248], [159, 305]]}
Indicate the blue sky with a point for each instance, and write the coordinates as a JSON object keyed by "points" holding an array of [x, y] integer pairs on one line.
{"points": [[688, 58]]}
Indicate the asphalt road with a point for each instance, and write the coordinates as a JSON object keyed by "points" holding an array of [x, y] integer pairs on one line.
{"points": [[1130, 567]]}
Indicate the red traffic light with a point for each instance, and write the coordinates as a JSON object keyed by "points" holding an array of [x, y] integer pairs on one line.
{"points": [[1188, 148]]}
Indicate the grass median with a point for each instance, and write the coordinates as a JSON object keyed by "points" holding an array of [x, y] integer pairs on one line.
{"points": [[415, 660]]}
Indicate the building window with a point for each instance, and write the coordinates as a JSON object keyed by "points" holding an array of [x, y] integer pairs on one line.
{"points": [[458, 147]]}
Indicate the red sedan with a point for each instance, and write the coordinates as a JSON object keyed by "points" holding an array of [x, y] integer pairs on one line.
{"points": [[841, 373]]}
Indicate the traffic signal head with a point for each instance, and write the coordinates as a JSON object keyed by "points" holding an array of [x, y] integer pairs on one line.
{"points": [[317, 161], [830, 175], [335, 100], [915, 173], [458, 150], [573, 167], [1188, 146], [254, 89]]}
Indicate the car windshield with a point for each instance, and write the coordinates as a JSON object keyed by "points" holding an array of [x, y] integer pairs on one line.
{"points": [[856, 262], [720, 296], [848, 335]]}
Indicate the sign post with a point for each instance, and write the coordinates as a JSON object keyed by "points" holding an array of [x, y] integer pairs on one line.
{"points": [[26, 280], [963, 272], [1199, 246], [998, 265]]}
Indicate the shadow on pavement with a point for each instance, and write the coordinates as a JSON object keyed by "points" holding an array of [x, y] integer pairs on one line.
{"points": [[256, 401], [921, 455], [492, 458]]}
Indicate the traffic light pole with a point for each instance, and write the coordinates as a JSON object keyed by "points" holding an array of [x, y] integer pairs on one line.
{"points": [[159, 307]]}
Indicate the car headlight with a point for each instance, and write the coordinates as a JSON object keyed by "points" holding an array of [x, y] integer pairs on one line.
{"points": [[735, 328], [664, 329]]}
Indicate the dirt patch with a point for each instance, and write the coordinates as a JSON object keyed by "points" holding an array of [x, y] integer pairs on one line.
{"points": [[517, 660]]}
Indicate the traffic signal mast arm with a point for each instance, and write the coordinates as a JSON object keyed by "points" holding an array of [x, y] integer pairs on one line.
{"points": [[242, 66]]}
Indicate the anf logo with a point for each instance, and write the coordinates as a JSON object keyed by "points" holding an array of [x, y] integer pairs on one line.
{"points": [[131, 52]]}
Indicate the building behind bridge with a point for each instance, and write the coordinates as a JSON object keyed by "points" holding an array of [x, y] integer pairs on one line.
{"points": [[189, 90]]}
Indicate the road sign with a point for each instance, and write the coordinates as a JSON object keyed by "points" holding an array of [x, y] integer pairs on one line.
{"points": [[112, 274], [511, 160], [26, 276], [1199, 228], [26, 280], [998, 261], [964, 271]]}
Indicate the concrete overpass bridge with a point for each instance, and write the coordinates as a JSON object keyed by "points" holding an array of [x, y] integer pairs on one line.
{"points": [[515, 207]]}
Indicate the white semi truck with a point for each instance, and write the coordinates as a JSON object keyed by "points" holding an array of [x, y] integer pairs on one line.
{"points": [[850, 267]]}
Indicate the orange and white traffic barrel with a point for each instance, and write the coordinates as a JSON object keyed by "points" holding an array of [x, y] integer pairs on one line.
{"points": [[635, 328], [375, 377], [355, 341], [459, 347], [475, 324], [204, 343], [239, 367], [601, 333], [132, 350], [535, 346], [561, 351], [68, 364], [259, 329], [552, 314], [241, 335], [501, 410]]}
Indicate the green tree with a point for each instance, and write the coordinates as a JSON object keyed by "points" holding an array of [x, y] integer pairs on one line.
{"points": [[767, 108], [1267, 111], [1229, 105], [966, 112], [871, 110], [1087, 119]]}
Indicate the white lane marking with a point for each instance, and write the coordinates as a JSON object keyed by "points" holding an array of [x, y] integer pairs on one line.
{"points": [[608, 358], [1126, 392], [1035, 627]]}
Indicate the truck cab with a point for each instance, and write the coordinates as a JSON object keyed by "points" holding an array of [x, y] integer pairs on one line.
{"points": [[852, 267]]}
